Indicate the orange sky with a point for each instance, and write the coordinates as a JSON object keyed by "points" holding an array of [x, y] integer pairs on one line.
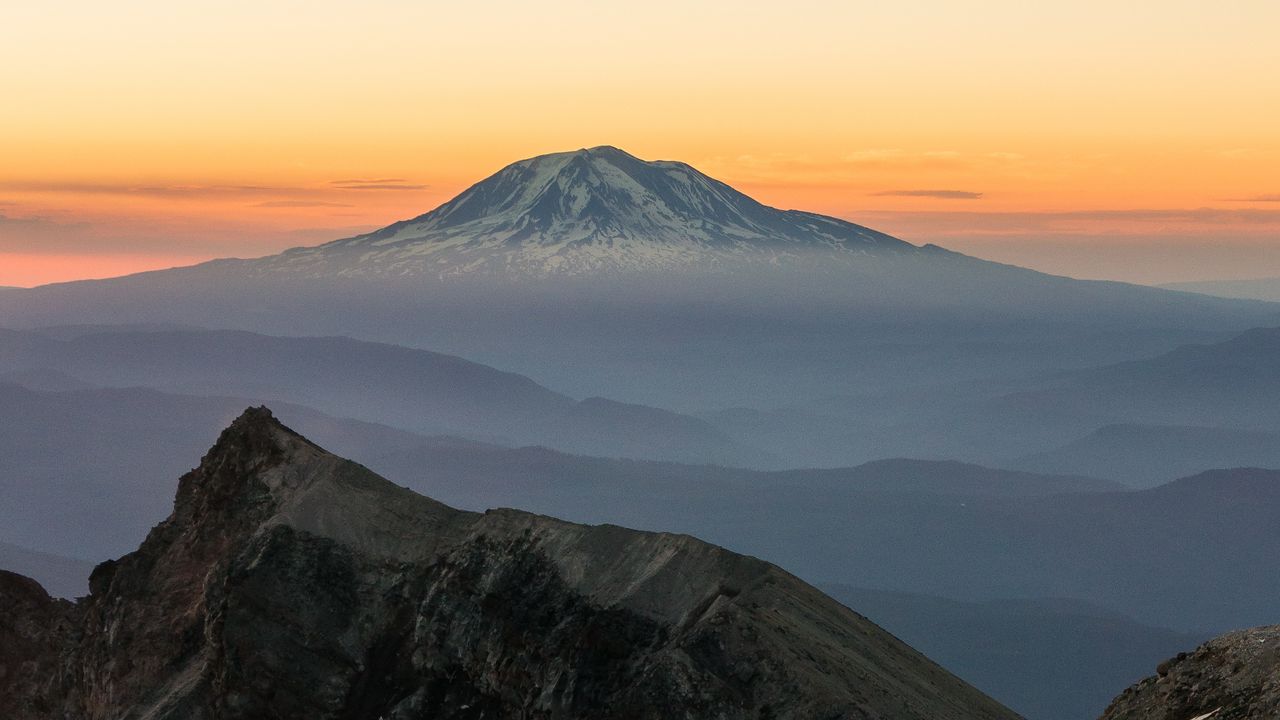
{"points": [[1136, 142]]}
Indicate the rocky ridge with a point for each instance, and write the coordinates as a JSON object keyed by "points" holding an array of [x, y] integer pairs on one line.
{"points": [[290, 583], [1232, 677]]}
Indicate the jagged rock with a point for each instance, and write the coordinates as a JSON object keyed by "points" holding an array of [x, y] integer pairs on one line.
{"points": [[289, 583], [1232, 677]]}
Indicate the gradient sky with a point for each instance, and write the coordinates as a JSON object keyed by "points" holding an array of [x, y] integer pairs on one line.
{"points": [[1135, 140]]}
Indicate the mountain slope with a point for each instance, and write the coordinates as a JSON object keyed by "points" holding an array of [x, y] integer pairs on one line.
{"points": [[291, 583], [1232, 677]]}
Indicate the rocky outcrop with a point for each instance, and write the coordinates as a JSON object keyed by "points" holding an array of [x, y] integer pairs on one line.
{"points": [[1232, 677], [289, 583]]}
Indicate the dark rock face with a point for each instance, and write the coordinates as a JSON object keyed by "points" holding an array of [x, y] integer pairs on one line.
{"points": [[33, 626], [1234, 677], [289, 583]]}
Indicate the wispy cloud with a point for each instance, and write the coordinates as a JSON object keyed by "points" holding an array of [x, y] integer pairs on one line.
{"points": [[1269, 197], [367, 181], [376, 184], [300, 204], [177, 190], [937, 194]]}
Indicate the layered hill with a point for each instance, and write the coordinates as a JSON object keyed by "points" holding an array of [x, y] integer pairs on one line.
{"points": [[100, 462], [1197, 407], [291, 583], [1151, 454], [416, 390]]}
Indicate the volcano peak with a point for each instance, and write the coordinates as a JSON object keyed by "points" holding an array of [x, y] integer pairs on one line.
{"points": [[586, 211]]}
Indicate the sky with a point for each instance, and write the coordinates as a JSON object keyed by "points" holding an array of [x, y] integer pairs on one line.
{"points": [[1132, 140]]}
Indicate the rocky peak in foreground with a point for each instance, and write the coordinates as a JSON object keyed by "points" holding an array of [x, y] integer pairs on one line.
{"points": [[1232, 677], [290, 583]]}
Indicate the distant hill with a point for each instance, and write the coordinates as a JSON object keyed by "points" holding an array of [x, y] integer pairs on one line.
{"points": [[415, 390], [1197, 407], [1254, 289], [1152, 454]]}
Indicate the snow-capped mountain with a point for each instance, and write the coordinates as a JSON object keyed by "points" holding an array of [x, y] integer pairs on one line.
{"points": [[587, 211]]}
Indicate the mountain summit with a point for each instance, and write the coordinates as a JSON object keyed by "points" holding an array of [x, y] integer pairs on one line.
{"points": [[591, 210]]}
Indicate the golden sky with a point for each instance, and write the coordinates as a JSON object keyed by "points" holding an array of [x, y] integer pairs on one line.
{"points": [[1135, 140]]}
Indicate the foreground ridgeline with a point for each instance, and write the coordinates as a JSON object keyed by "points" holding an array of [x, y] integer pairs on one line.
{"points": [[1233, 677], [290, 583]]}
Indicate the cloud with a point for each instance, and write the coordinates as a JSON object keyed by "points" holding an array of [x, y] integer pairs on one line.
{"points": [[202, 191], [367, 181], [376, 184], [385, 184], [300, 204], [164, 191], [938, 194], [1269, 197], [41, 234], [38, 235]]}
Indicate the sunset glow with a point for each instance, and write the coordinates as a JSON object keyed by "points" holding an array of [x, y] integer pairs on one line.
{"points": [[137, 135]]}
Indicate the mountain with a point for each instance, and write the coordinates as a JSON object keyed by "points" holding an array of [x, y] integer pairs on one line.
{"points": [[1157, 555], [1147, 455], [589, 211], [1232, 677], [649, 283], [1045, 659], [1253, 289], [99, 462], [288, 582], [415, 390], [84, 473]]}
